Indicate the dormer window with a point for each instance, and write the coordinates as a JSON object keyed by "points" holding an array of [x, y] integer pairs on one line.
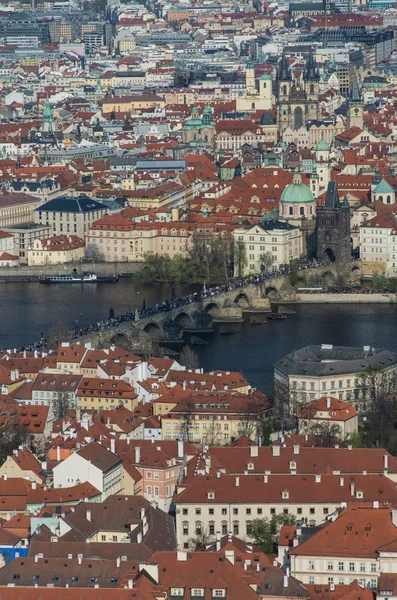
{"points": [[359, 495], [250, 466], [219, 593], [177, 591], [285, 495], [292, 464], [211, 495], [197, 592]]}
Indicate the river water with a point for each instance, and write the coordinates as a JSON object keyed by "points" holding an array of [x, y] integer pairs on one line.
{"points": [[29, 309]]}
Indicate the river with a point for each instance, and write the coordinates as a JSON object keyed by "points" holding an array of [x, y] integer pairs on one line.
{"points": [[27, 310]]}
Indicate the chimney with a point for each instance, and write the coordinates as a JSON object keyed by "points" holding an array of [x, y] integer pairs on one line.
{"points": [[296, 448], [328, 402], [5, 476], [276, 450], [385, 462], [181, 453], [332, 587], [113, 446], [130, 584], [265, 478], [229, 555], [58, 454], [79, 558], [88, 515], [318, 478], [36, 558], [181, 556], [237, 481], [375, 504], [142, 514], [341, 481], [118, 561], [218, 541], [34, 485], [137, 454], [352, 488], [254, 451], [285, 582]]}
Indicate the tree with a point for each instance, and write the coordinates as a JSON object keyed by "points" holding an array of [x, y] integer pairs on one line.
{"points": [[327, 435], [293, 274], [186, 420], [12, 435], [380, 282], [215, 253], [264, 532], [240, 258], [188, 358], [201, 540], [155, 268], [184, 270], [267, 261], [376, 391], [93, 254], [252, 419], [61, 404]]}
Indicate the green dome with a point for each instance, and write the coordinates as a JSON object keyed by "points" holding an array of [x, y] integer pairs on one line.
{"points": [[265, 77], [297, 192], [322, 145]]}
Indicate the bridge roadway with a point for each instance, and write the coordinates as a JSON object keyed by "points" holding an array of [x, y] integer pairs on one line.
{"points": [[194, 312]]}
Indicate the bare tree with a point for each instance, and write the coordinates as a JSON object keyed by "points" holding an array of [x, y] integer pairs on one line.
{"points": [[328, 435], [92, 253], [189, 358], [62, 403], [186, 419]]}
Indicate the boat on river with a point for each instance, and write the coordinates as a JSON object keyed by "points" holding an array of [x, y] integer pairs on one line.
{"points": [[79, 278]]}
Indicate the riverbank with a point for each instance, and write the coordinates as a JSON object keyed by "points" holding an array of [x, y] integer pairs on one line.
{"points": [[31, 274], [365, 298]]}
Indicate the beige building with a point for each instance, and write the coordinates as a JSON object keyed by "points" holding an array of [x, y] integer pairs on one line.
{"points": [[327, 370], [69, 215], [358, 545], [17, 208], [56, 250], [122, 240], [228, 503], [131, 103], [213, 418], [329, 411], [24, 236], [268, 245]]}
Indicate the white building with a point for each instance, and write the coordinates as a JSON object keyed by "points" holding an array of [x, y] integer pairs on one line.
{"points": [[93, 464], [268, 245], [378, 241]]}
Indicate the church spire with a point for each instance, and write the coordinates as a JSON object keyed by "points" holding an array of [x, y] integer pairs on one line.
{"points": [[284, 71], [311, 71]]}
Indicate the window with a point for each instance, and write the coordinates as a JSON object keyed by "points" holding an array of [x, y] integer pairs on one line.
{"points": [[248, 527], [373, 567], [311, 580], [247, 511], [330, 580], [219, 593], [341, 566], [149, 490], [184, 511], [325, 511], [185, 528], [197, 592], [235, 528], [224, 511], [198, 511], [362, 567], [259, 511], [103, 538], [351, 566], [312, 511], [298, 511], [235, 511], [210, 511], [330, 566]]}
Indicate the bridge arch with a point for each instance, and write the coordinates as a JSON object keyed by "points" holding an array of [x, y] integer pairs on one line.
{"points": [[153, 329], [271, 291], [213, 309], [184, 319], [242, 300]]}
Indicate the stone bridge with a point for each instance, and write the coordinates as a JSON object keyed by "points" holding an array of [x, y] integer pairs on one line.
{"points": [[225, 306]]}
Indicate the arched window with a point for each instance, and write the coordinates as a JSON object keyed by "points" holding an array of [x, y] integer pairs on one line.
{"points": [[311, 88], [253, 105], [284, 90], [291, 210], [302, 211], [388, 199], [380, 198]]}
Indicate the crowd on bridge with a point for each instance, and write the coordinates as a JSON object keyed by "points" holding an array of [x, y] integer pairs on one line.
{"points": [[175, 303]]}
